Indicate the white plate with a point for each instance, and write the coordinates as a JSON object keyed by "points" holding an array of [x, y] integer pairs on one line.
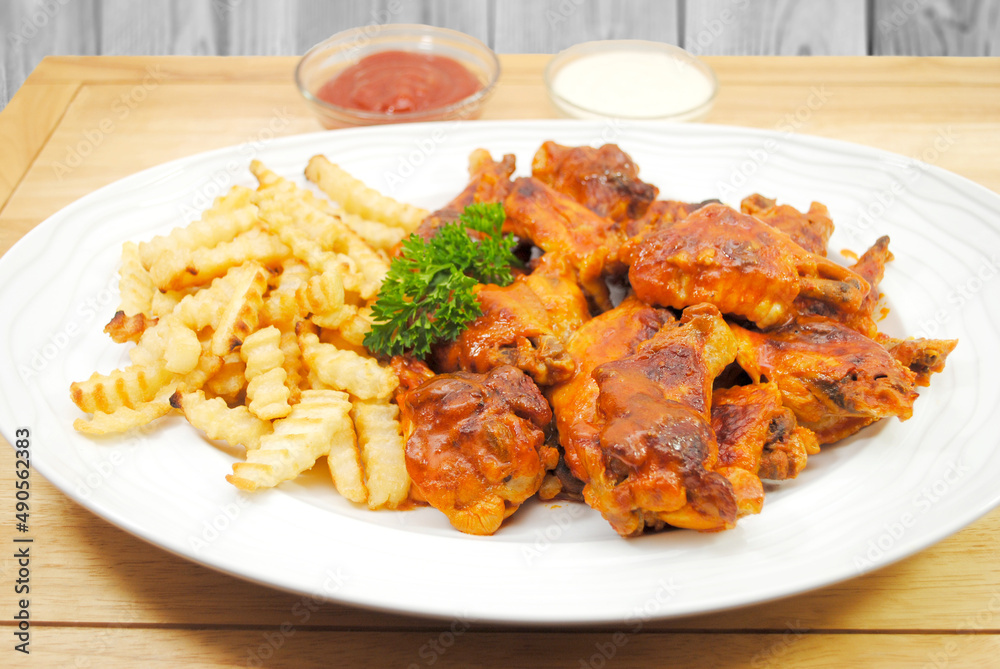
{"points": [[892, 490]]}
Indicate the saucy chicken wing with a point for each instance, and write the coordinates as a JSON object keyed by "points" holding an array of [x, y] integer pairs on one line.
{"points": [[663, 213], [810, 230], [555, 222], [614, 334], [870, 267], [524, 324], [475, 444], [758, 434], [833, 378], [738, 263], [921, 356], [604, 180], [634, 422]]}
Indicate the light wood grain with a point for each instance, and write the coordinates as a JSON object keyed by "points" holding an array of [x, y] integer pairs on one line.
{"points": [[103, 597], [27, 125], [94, 573]]}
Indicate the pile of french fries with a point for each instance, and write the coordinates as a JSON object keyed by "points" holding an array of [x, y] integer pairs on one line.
{"points": [[250, 322]]}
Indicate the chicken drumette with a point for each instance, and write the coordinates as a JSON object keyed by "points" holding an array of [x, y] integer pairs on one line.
{"points": [[475, 444], [634, 422]]}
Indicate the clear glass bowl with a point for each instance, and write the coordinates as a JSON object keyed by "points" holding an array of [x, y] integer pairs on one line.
{"points": [[630, 79], [325, 60]]}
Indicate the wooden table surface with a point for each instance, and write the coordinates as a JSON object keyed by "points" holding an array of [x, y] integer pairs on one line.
{"points": [[101, 597]]}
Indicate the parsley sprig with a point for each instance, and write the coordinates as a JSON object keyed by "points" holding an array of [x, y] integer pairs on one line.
{"points": [[428, 294]]}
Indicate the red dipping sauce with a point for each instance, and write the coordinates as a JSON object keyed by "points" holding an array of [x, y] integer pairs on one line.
{"points": [[400, 82]]}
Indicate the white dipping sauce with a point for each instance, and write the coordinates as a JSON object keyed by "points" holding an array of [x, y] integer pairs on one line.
{"points": [[632, 84]]}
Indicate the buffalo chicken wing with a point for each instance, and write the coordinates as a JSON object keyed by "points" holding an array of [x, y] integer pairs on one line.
{"points": [[737, 350], [810, 230], [833, 378], [870, 267], [738, 263], [524, 324], [605, 180], [555, 222], [475, 444], [758, 434], [635, 419]]}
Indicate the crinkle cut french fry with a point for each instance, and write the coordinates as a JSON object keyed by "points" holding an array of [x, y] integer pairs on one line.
{"points": [[281, 304], [323, 298], [184, 350], [346, 370], [380, 441], [122, 328], [266, 389], [369, 264], [165, 302], [227, 317], [272, 185], [208, 366], [293, 365], [195, 312], [321, 418], [230, 380], [302, 227], [313, 216], [242, 315], [268, 395], [128, 387], [321, 294], [357, 198], [354, 328], [344, 462], [123, 418], [135, 285], [261, 351], [304, 247], [335, 319], [380, 236], [174, 270], [138, 384], [236, 426], [228, 216]]}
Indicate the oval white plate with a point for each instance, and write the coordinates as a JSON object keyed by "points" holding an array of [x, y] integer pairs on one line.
{"points": [[894, 489]]}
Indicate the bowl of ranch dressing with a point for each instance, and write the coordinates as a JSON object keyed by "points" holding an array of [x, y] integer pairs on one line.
{"points": [[633, 79]]}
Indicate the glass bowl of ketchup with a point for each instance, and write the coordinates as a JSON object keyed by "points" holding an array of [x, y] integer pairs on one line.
{"points": [[397, 73]]}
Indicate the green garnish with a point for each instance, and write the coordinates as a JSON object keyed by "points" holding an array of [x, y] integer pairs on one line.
{"points": [[427, 295]]}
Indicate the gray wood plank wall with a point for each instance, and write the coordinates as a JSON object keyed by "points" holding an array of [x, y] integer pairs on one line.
{"points": [[32, 29]]}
